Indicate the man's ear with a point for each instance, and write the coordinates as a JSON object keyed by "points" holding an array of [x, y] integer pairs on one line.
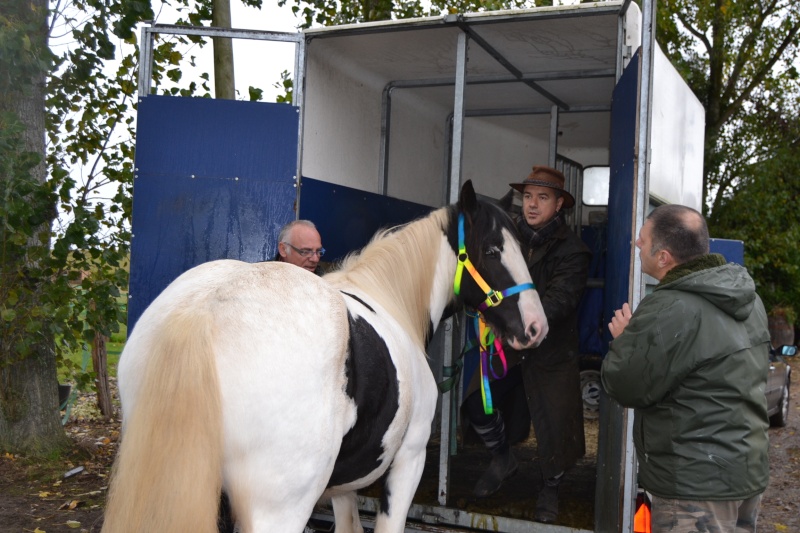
{"points": [[665, 259], [282, 249]]}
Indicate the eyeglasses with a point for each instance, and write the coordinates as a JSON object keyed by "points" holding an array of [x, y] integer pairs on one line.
{"points": [[305, 252]]}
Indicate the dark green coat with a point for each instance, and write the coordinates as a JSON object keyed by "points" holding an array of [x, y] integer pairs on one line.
{"points": [[693, 363]]}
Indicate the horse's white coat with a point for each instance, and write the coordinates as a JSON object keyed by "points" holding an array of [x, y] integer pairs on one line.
{"points": [[271, 344]]}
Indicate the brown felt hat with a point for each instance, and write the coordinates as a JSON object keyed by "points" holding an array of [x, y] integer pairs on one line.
{"points": [[542, 176]]}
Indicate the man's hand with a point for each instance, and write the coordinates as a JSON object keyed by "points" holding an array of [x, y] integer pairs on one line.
{"points": [[620, 320]]}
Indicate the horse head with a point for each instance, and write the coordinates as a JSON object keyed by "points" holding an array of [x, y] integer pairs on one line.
{"points": [[492, 276]]}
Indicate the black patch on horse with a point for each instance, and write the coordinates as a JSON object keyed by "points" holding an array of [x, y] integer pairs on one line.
{"points": [[372, 384], [385, 492]]}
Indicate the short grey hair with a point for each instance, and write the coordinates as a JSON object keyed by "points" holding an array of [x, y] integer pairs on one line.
{"points": [[285, 230]]}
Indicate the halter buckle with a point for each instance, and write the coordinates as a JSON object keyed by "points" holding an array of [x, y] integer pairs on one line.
{"points": [[494, 298]]}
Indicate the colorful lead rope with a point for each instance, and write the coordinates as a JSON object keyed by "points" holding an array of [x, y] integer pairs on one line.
{"points": [[488, 344]]}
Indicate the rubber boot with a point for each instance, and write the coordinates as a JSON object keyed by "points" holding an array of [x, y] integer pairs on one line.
{"points": [[503, 464], [547, 502]]}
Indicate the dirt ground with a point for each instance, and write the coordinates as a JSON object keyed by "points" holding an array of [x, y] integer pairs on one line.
{"points": [[38, 496]]}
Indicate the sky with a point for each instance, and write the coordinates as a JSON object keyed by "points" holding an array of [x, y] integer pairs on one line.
{"points": [[256, 63]]}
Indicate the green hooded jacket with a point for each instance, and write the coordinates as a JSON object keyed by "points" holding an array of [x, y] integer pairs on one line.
{"points": [[693, 363]]}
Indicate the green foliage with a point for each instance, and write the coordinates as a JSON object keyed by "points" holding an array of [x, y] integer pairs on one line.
{"points": [[23, 243], [333, 12], [737, 57], [287, 85], [764, 214], [64, 236]]}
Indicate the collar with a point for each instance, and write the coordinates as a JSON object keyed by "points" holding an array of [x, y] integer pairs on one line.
{"points": [[704, 262]]}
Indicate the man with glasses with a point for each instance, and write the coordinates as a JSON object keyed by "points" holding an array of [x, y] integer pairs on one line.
{"points": [[299, 243]]}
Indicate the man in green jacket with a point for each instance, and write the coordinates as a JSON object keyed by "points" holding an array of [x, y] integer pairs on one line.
{"points": [[693, 361]]}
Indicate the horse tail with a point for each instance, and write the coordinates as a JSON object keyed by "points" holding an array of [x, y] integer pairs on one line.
{"points": [[168, 471]]}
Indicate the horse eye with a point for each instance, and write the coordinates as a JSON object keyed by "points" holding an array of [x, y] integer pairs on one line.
{"points": [[493, 251]]}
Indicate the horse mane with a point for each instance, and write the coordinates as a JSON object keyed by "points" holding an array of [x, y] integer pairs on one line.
{"points": [[397, 270]]}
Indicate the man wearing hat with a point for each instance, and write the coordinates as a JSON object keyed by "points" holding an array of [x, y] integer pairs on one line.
{"points": [[546, 379]]}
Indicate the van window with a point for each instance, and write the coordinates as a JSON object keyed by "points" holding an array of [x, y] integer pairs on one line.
{"points": [[595, 185]]}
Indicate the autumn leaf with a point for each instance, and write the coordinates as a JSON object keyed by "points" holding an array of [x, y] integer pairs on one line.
{"points": [[780, 527], [73, 524], [37, 530], [68, 506]]}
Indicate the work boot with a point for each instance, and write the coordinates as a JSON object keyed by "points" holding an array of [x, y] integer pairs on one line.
{"points": [[547, 502], [503, 466]]}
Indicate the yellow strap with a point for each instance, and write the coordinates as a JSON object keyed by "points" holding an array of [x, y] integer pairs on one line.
{"points": [[477, 277]]}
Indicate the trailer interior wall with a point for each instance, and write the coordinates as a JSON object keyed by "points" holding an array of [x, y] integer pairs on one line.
{"points": [[342, 120], [419, 147]]}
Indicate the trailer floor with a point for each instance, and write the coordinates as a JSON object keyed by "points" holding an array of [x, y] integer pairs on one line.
{"points": [[517, 498]]}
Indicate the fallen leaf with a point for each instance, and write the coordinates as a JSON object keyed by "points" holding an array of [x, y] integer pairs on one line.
{"points": [[780, 527], [68, 506], [74, 524], [44, 494], [37, 530]]}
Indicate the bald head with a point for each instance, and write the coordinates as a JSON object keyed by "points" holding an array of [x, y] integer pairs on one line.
{"points": [[671, 235], [680, 230]]}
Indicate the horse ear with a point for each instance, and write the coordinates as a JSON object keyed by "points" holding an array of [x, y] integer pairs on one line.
{"points": [[468, 201], [507, 201]]}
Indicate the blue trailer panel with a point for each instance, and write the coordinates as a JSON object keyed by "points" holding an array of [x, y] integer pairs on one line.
{"points": [[214, 179]]}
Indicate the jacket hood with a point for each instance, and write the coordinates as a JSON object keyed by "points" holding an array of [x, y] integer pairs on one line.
{"points": [[727, 286]]}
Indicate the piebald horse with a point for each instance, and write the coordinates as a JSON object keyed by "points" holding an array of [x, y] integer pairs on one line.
{"points": [[281, 388]]}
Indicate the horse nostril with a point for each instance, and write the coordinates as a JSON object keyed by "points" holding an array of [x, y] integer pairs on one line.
{"points": [[530, 333]]}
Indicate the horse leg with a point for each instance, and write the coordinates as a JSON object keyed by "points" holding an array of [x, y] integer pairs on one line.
{"points": [[258, 510], [399, 488], [345, 511], [402, 478]]}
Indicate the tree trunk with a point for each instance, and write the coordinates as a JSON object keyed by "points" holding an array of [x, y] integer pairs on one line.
{"points": [[100, 363], [781, 330], [29, 416], [224, 84]]}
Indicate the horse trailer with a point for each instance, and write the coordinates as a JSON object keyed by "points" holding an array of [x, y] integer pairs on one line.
{"points": [[388, 120]]}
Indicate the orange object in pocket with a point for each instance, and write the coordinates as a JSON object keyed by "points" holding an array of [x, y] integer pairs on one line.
{"points": [[641, 520]]}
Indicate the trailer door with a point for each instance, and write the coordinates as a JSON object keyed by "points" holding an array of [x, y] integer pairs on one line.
{"points": [[622, 189], [213, 179]]}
